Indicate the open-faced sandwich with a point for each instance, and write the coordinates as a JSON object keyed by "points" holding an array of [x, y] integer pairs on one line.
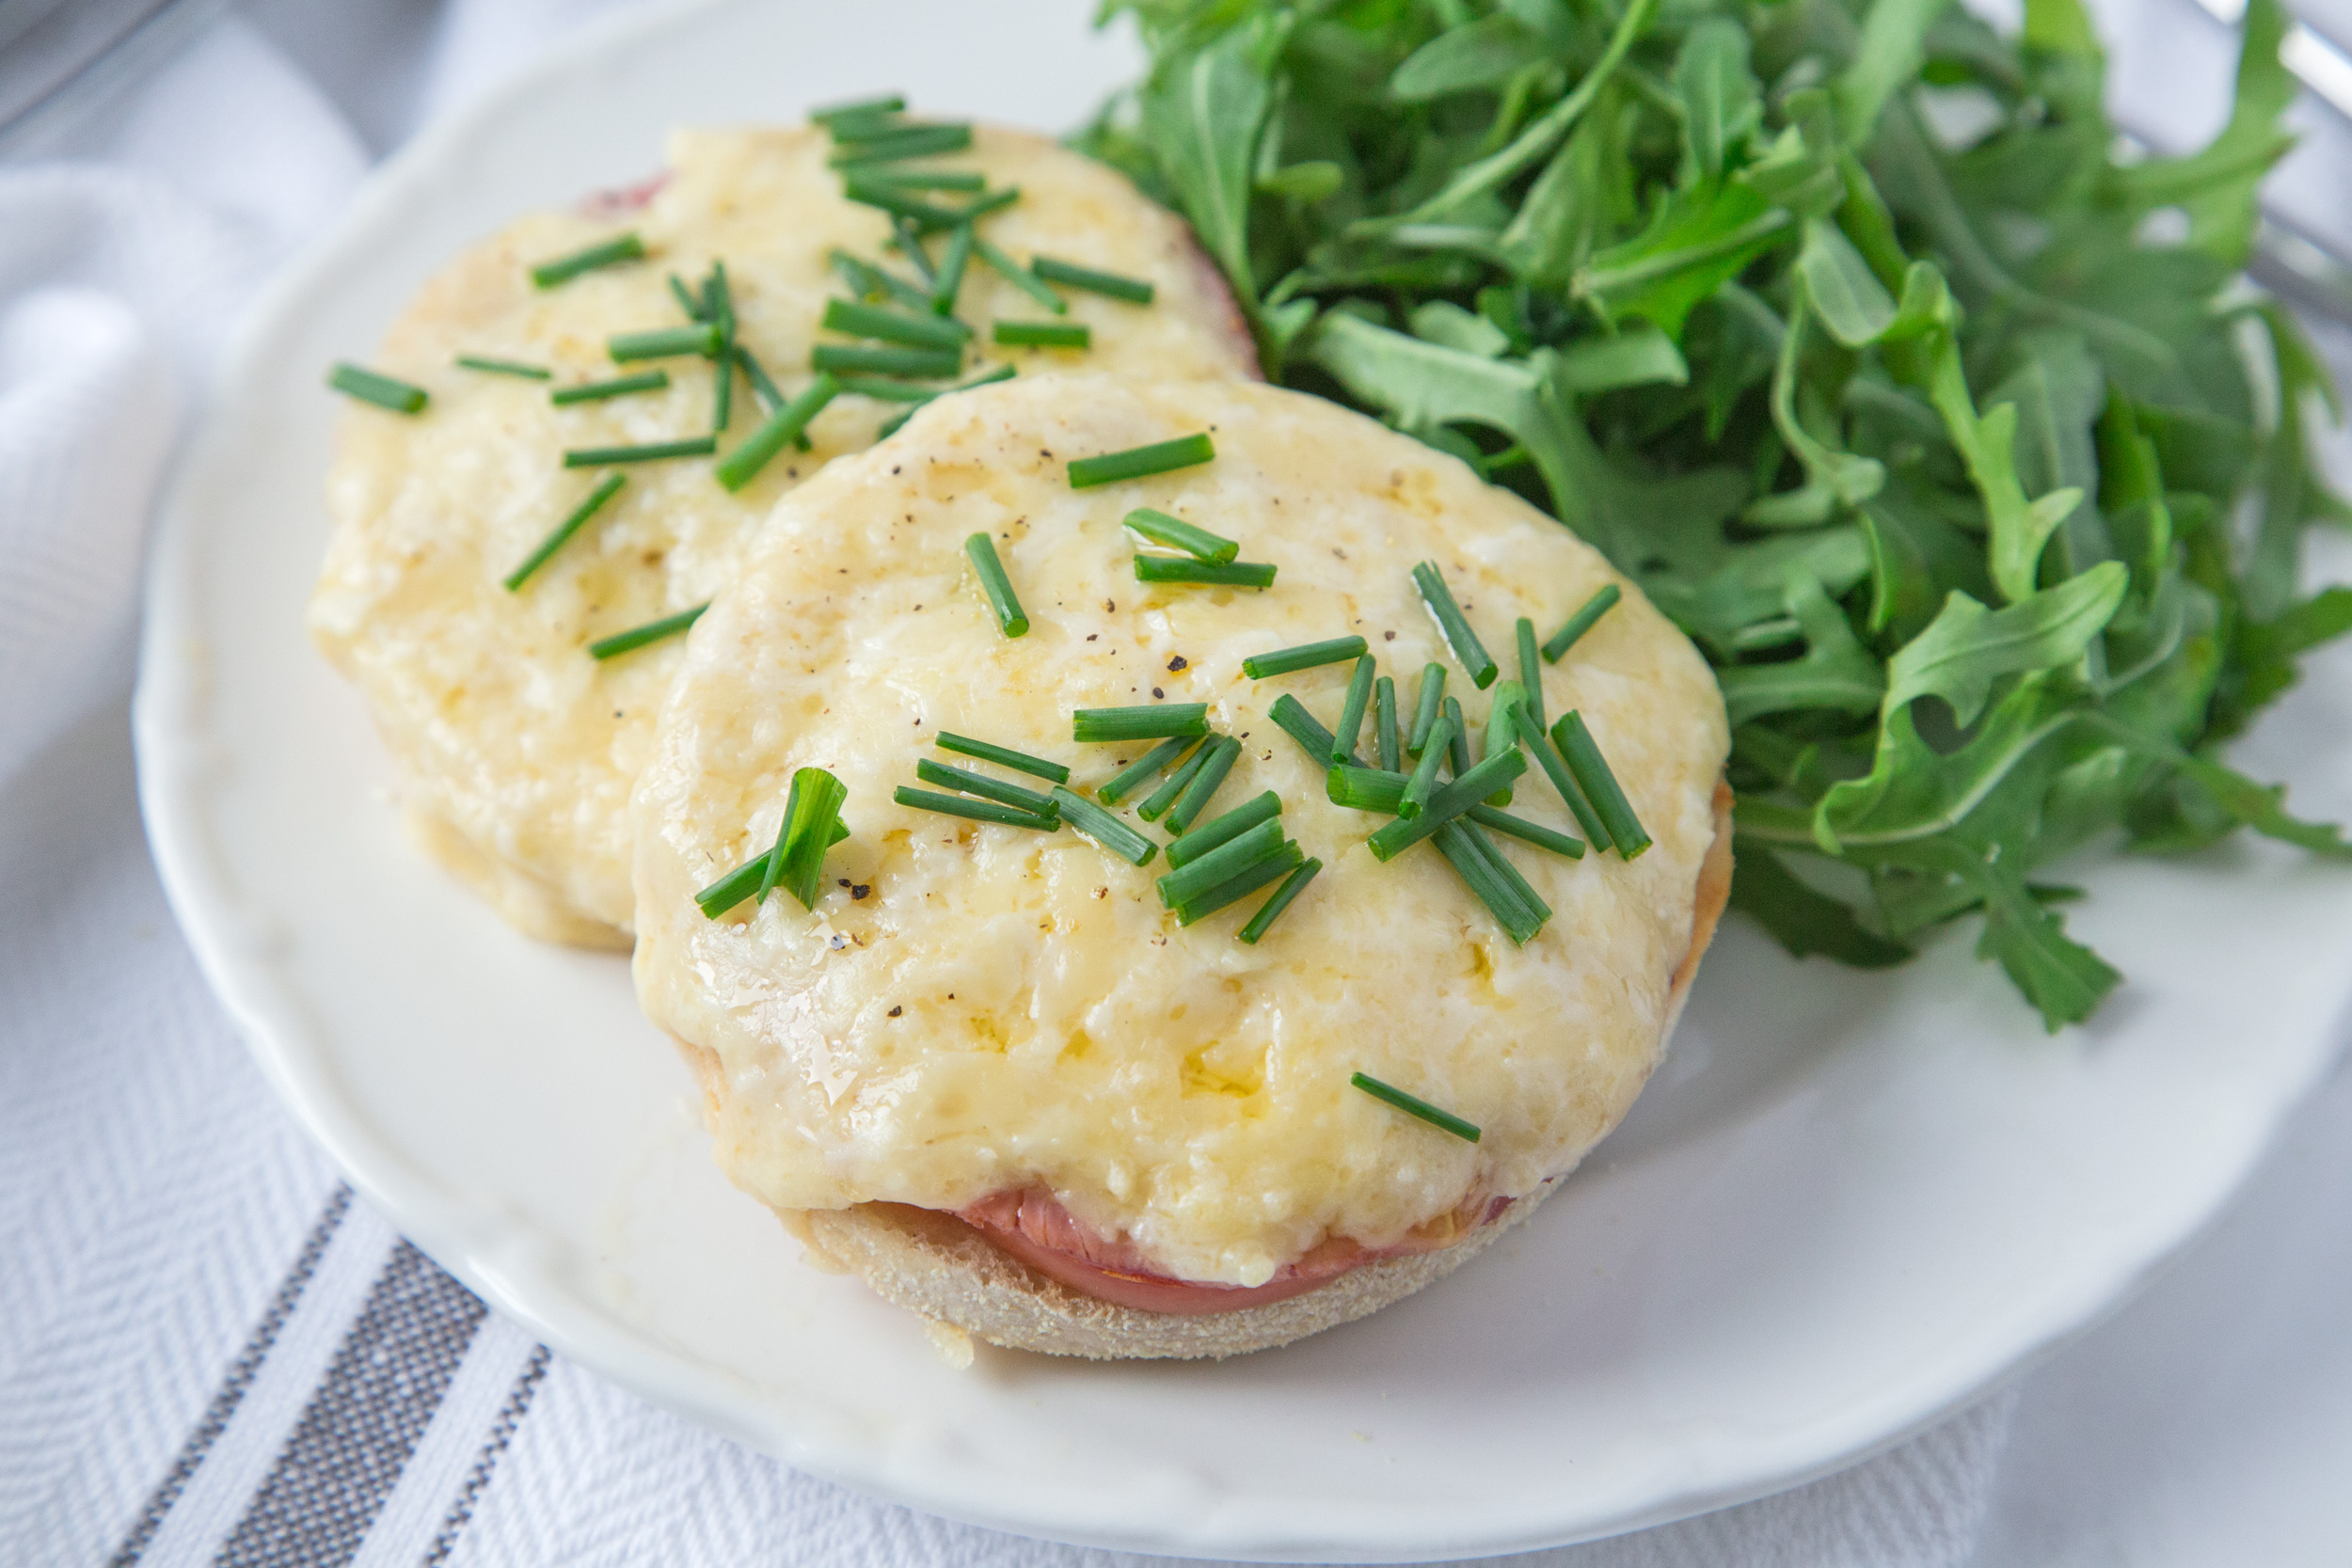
{"points": [[607, 403], [1241, 916]]}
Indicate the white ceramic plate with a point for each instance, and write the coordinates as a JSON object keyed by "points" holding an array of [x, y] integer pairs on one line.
{"points": [[1849, 1204]]}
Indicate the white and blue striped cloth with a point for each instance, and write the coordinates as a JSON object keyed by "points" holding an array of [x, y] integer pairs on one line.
{"points": [[212, 1353]]}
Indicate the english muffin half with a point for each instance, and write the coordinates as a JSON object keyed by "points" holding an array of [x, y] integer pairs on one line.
{"points": [[515, 748], [1011, 1076]]}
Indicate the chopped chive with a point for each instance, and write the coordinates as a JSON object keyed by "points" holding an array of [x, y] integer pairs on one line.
{"points": [[1303, 727], [971, 211], [871, 282], [735, 469], [606, 489], [1018, 276], [962, 180], [1203, 787], [652, 631], [1069, 274], [1216, 574], [1365, 788], [897, 143], [982, 785], [503, 367], [1457, 745], [381, 390], [883, 390], [1043, 334], [1223, 828], [1414, 1107], [1002, 601], [947, 281], [1591, 774], [1509, 700], [721, 392], [1004, 756], [1119, 785], [1530, 672], [1160, 457], [663, 342], [619, 387], [695, 309], [1352, 711], [907, 237], [1533, 833], [1306, 655], [1236, 855], [770, 399], [741, 882], [867, 321], [1476, 660], [1285, 895], [1522, 892], [607, 253], [1235, 889], [977, 810], [1424, 780], [1446, 804], [1388, 746], [1000, 372], [1489, 883], [1582, 621], [1085, 816], [1144, 722], [720, 301], [1178, 534], [935, 364], [656, 452], [850, 129], [1571, 794], [1428, 702], [901, 202], [797, 863], [1173, 785], [890, 426], [862, 109]]}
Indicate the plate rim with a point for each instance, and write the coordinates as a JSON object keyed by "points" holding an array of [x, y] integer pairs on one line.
{"points": [[504, 1263]]}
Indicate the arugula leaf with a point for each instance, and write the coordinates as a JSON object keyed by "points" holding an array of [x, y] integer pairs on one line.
{"points": [[1806, 920], [1836, 673], [1698, 241], [1721, 102], [1844, 293], [1892, 48], [1913, 792], [1873, 417], [1481, 54], [1203, 114], [2216, 186], [1532, 145], [2062, 978], [1967, 647]]}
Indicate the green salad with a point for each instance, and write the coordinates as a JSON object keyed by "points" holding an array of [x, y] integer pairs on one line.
{"points": [[1944, 422]]}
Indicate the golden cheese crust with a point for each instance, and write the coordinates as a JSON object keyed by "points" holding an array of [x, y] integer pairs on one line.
{"points": [[516, 750], [973, 1009]]}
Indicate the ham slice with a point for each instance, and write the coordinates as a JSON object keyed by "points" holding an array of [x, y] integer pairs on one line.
{"points": [[1033, 1227]]}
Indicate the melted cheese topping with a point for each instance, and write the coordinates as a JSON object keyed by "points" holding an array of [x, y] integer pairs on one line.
{"points": [[973, 1009], [515, 748]]}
